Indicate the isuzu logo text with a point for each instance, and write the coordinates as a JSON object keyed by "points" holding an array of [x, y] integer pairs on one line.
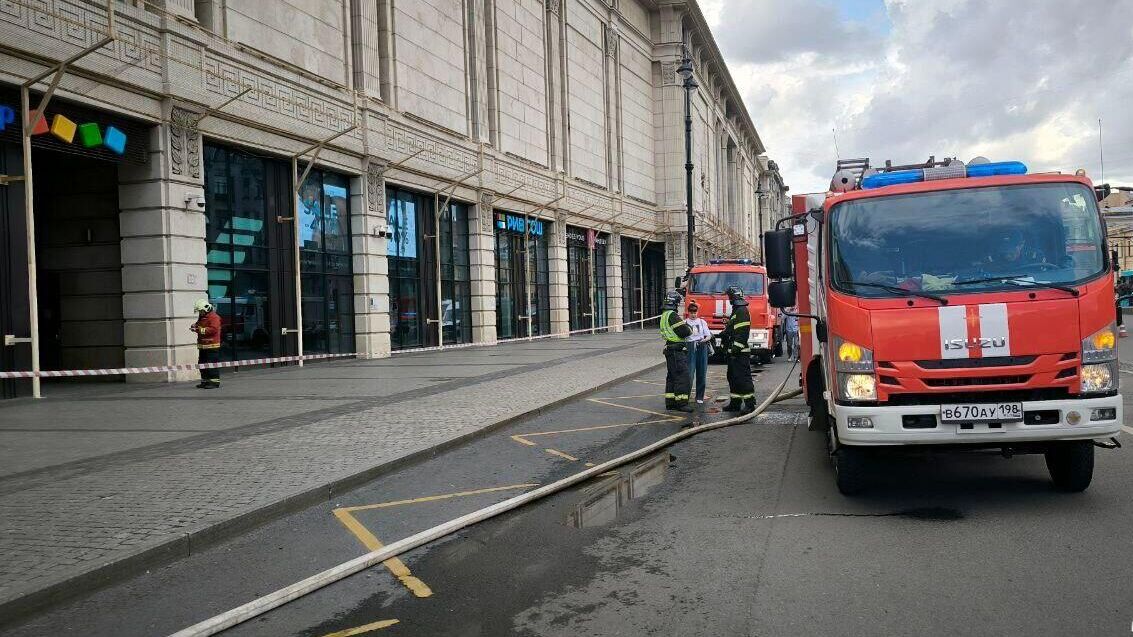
{"points": [[974, 343]]}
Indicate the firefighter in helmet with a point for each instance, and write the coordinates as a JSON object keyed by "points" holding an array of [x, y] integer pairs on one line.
{"points": [[734, 339], [675, 331], [207, 328]]}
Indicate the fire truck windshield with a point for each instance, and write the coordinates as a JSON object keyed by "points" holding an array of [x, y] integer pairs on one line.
{"points": [[718, 282], [968, 240]]}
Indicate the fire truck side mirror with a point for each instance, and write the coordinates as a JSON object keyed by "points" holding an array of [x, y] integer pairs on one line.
{"points": [[781, 294], [677, 283], [777, 253]]}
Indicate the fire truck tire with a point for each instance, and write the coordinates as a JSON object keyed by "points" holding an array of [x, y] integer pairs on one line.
{"points": [[1071, 465], [851, 470]]}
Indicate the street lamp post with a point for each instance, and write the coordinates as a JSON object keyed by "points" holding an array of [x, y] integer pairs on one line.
{"points": [[759, 193], [690, 85]]}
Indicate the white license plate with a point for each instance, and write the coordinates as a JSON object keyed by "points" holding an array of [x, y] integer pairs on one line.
{"points": [[985, 412]]}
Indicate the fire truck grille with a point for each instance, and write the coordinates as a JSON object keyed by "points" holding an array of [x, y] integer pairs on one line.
{"points": [[1012, 395], [968, 363], [981, 380]]}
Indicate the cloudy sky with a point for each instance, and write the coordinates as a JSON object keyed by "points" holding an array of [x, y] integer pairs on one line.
{"points": [[905, 79]]}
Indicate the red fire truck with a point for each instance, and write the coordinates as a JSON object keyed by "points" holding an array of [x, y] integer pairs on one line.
{"points": [[708, 284], [955, 307]]}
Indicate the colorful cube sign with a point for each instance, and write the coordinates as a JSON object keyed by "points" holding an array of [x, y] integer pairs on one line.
{"points": [[115, 140], [41, 126], [90, 134], [63, 128]]}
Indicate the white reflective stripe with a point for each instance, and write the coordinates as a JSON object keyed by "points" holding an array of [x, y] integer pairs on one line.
{"points": [[953, 329], [993, 325]]}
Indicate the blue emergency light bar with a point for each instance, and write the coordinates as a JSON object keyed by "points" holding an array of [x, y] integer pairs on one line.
{"points": [[880, 180], [723, 261]]}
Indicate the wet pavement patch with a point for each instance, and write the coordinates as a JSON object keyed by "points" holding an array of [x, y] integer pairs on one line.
{"points": [[605, 500]]}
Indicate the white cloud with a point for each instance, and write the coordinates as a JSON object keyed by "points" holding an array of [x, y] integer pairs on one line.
{"points": [[1009, 80]]}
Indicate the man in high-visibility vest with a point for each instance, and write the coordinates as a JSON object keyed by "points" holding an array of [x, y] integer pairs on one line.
{"points": [[734, 338], [675, 331]]}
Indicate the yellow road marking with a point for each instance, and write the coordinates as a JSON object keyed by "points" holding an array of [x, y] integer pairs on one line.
{"points": [[522, 438], [644, 411], [345, 515], [434, 498], [555, 452], [590, 464], [371, 542], [1127, 429], [385, 623]]}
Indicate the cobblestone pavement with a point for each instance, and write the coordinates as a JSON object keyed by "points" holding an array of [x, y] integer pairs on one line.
{"points": [[291, 434]]}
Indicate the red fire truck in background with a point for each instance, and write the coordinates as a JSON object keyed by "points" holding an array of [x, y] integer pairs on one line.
{"points": [[953, 306], [708, 284]]}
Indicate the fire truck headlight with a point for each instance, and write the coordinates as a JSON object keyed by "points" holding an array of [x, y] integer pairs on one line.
{"points": [[1100, 346], [1098, 378], [852, 357], [859, 386]]}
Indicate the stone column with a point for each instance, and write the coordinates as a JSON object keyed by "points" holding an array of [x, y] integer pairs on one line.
{"points": [[369, 228], [614, 281], [557, 276], [163, 249], [482, 262]]}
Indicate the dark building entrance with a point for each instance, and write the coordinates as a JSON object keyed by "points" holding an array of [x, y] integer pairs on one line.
{"points": [[76, 154], [523, 297], [586, 279]]}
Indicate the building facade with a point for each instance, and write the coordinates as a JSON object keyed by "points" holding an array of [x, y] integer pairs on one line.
{"points": [[467, 170]]}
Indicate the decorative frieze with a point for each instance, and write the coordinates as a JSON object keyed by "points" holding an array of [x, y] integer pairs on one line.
{"points": [[509, 177], [227, 78], [403, 142]]}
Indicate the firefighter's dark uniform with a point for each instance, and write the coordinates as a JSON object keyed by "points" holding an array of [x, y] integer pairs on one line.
{"points": [[734, 338], [677, 381]]}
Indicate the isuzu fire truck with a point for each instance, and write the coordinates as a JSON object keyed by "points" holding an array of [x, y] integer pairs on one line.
{"points": [[708, 284], [953, 306]]}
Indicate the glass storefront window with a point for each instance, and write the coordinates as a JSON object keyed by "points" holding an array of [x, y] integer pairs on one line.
{"points": [[412, 256], [521, 271], [324, 237], [643, 265], [249, 256], [586, 279]]}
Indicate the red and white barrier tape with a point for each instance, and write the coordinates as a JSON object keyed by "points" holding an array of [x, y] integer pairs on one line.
{"points": [[287, 359]]}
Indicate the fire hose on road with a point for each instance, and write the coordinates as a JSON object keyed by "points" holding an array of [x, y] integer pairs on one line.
{"points": [[299, 589]]}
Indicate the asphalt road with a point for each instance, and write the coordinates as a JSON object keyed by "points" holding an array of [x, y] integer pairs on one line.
{"points": [[737, 531]]}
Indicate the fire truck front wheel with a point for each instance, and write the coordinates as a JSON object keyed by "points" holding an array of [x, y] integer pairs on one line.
{"points": [[1071, 465], [851, 469]]}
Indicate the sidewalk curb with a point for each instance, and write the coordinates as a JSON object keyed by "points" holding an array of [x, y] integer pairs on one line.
{"points": [[163, 552]]}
